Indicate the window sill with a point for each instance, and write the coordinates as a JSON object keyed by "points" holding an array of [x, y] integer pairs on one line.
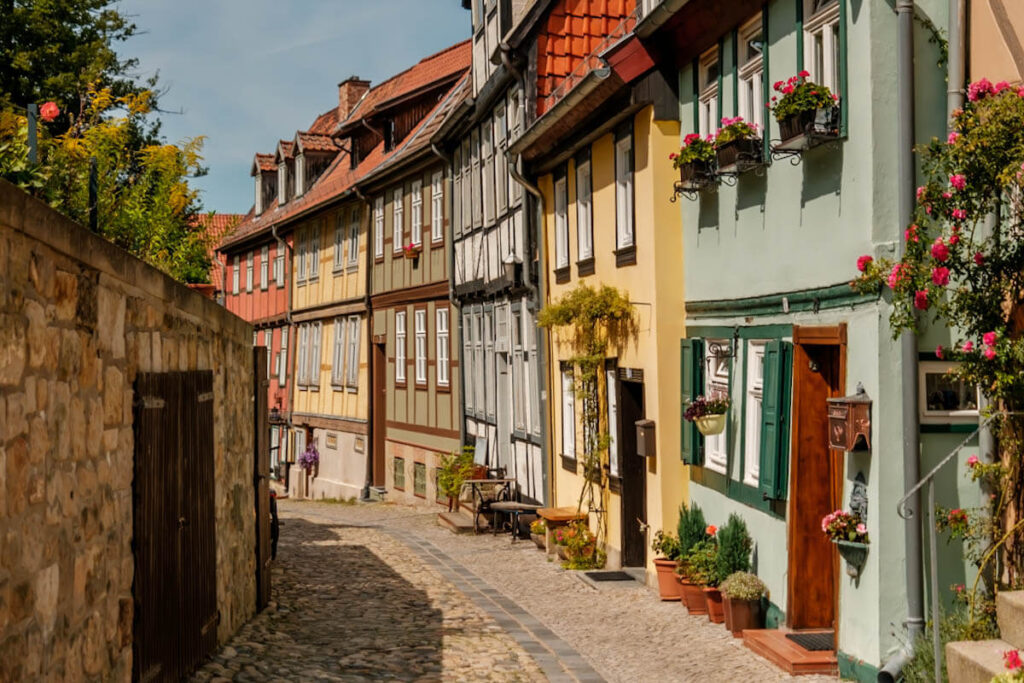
{"points": [[353, 267], [585, 267], [625, 256], [443, 388], [562, 275], [300, 283], [337, 387], [401, 384], [338, 269], [352, 390], [421, 386], [569, 463]]}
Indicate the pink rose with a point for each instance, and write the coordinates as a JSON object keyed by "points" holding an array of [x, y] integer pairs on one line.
{"points": [[989, 339], [959, 214], [940, 276], [1020, 91], [896, 275], [972, 461], [863, 261], [1000, 87], [920, 192], [921, 300], [778, 85], [673, 156], [958, 181], [49, 111], [978, 89], [938, 351], [990, 352], [979, 258], [954, 239], [953, 137], [947, 195], [968, 346], [940, 252], [862, 528]]}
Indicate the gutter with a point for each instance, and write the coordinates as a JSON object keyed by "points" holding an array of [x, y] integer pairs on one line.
{"points": [[364, 495], [906, 176], [290, 363], [585, 87], [658, 17]]}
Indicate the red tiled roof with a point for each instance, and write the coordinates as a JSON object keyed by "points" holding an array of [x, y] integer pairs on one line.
{"points": [[265, 162], [284, 147], [217, 226], [311, 142], [325, 123]]}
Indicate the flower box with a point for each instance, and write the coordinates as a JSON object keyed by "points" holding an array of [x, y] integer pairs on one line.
{"points": [[808, 128], [412, 251], [710, 425], [855, 554], [737, 156], [696, 175]]}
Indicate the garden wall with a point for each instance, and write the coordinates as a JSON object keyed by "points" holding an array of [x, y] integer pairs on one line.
{"points": [[79, 318]]}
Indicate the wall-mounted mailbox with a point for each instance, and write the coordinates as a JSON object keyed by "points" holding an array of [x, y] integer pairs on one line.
{"points": [[645, 438], [849, 421]]}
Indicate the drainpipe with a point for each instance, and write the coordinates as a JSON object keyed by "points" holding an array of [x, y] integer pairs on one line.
{"points": [[957, 46], [364, 495], [908, 344], [281, 244], [453, 304], [506, 59]]}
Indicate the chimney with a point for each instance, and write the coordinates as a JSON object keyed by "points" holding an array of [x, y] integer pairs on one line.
{"points": [[349, 92]]}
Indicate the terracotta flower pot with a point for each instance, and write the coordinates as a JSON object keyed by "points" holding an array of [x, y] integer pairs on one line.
{"points": [[562, 555], [741, 615], [668, 588], [716, 610], [538, 539], [693, 597]]}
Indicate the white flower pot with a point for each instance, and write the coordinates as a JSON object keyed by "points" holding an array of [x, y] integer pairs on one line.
{"points": [[709, 425]]}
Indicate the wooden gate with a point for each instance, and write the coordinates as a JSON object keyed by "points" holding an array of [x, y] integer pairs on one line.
{"points": [[174, 540], [261, 475]]}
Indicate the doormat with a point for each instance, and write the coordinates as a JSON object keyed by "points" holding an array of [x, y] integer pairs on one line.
{"points": [[608, 576], [815, 642]]}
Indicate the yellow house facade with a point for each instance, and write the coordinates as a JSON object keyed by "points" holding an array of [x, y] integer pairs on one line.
{"points": [[608, 221]]}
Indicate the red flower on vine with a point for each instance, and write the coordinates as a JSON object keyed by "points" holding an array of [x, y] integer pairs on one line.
{"points": [[49, 111]]}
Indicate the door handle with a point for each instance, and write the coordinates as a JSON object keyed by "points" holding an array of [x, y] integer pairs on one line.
{"points": [[644, 526], [182, 522]]}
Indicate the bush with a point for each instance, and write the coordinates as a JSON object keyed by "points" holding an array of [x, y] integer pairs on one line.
{"points": [[691, 528], [702, 561], [734, 546], [954, 625], [743, 586], [455, 469]]}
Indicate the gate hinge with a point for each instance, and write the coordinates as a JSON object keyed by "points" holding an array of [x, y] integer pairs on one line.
{"points": [[151, 402], [205, 396]]}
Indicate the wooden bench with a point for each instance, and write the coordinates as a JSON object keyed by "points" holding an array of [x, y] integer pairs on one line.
{"points": [[557, 517]]}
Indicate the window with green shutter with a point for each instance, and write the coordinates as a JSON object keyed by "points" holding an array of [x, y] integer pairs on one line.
{"points": [[774, 457], [691, 382]]}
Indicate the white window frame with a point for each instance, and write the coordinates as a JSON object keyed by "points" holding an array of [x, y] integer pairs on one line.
{"points": [[625, 229], [501, 176], [303, 349], [487, 168], [235, 275], [716, 383], [315, 360], [707, 100], [398, 219], [467, 365], [751, 75], [282, 359], [400, 346], [300, 174], [489, 363], [258, 207], [420, 322], [442, 342], [268, 341], [279, 265], [612, 393], [753, 410], [339, 240], [355, 335], [530, 368], [568, 413], [338, 354], [248, 271], [437, 207], [519, 412], [821, 32], [561, 223], [353, 238], [282, 182], [378, 227], [416, 228], [264, 267], [933, 416], [584, 211], [300, 256], [313, 251]]}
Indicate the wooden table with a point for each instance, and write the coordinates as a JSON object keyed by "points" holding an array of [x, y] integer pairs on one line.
{"points": [[482, 503], [556, 517], [513, 509]]}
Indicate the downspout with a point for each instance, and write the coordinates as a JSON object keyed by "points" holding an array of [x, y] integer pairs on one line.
{"points": [[281, 244], [364, 495], [453, 304], [892, 669]]}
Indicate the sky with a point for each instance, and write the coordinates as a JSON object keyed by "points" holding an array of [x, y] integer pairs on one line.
{"points": [[246, 73]]}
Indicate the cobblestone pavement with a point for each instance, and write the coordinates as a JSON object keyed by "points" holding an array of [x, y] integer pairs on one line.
{"points": [[379, 591]]}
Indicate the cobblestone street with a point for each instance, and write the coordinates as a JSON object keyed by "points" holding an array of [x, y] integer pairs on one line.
{"points": [[381, 592]]}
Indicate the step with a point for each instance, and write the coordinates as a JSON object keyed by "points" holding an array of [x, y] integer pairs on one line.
{"points": [[773, 645], [458, 522], [1010, 614], [976, 661]]}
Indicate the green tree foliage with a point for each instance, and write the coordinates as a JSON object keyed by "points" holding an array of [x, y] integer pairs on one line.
{"points": [[734, 546], [692, 527]]}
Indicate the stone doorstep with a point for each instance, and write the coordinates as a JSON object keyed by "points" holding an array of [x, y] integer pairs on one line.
{"points": [[458, 523], [1010, 615], [975, 661]]}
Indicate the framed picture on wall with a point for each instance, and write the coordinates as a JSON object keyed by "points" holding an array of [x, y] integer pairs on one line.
{"points": [[944, 398]]}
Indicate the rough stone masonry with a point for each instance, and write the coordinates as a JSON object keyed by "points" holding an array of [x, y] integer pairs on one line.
{"points": [[79, 318]]}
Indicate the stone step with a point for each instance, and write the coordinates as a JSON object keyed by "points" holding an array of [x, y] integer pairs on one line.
{"points": [[975, 661], [773, 645], [1010, 615], [458, 522]]}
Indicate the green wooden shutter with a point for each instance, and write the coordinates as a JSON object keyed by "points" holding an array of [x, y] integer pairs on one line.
{"points": [[774, 469], [691, 379]]}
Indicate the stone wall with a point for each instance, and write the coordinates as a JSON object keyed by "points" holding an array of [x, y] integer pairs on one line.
{"points": [[79, 318]]}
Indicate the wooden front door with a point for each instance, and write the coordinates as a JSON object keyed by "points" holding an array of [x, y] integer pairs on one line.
{"points": [[380, 397], [261, 475], [634, 475], [816, 480]]}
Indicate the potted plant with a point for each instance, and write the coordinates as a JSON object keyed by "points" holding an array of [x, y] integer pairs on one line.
{"points": [[309, 459], [666, 547], [538, 532], [412, 251], [850, 534], [734, 547], [703, 570], [738, 146], [708, 414], [455, 468], [691, 530], [741, 594], [581, 551], [804, 109], [694, 161]]}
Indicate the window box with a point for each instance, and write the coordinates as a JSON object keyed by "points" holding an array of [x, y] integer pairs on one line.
{"points": [[710, 425], [738, 156], [808, 129], [412, 251], [696, 175]]}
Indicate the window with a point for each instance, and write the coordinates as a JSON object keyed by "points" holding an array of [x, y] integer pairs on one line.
{"points": [[584, 215], [313, 250], [338, 356], [282, 177], [264, 267], [624, 191], [441, 341], [947, 399], [354, 335], [397, 227], [268, 341], [467, 187], [400, 347], [489, 393], [300, 256], [300, 174], [568, 413], [487, 166], [339, 241], [303, 366], [751, 73], [279, 265], [353, 238], [753, 411], [531, 368], [476, 196], [821, 43], [419, 479], [421, 346], [300, 440], [561, 225], [716, 385], [378, 227], [234, 276], [467, 354], [416, 231], [400, 474], [259, 192], [248, 271], [456, 194], [501, 176], [478, 362], [282, 358], [314, 354], [518, 372], [708, 98], [611, 388], [437, 207]]}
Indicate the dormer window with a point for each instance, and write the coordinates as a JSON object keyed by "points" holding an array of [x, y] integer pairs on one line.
{"points": [[282, 182], [389, 135], [259, 194], [300, 174]]}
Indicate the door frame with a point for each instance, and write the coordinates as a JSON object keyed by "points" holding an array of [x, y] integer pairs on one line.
{"points": [[378, 427], [832, 335], [640, 467]]}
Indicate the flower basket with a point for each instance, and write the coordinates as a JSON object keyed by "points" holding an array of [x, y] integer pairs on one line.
{"points": [[739, 155], [668, 587], [855, 554], [809, 128], [696, 175], [412, 251], [710, 425]]}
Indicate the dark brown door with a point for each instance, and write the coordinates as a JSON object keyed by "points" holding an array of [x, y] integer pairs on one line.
{"points": [[815, 488], [380, 397], [634, 475], [261, 475]]}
